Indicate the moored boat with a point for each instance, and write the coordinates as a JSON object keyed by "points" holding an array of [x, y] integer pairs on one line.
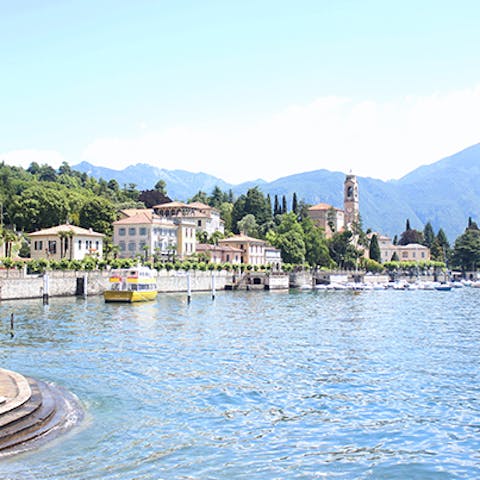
{"points": [[136, 284]]}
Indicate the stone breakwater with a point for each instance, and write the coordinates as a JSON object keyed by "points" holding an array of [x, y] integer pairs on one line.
{"points": [[33, 412]]}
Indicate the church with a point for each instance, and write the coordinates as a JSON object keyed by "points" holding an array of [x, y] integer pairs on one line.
{"points": [[333, 219]]}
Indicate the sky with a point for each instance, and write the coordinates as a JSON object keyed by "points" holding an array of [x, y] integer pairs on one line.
{"points": [[239, 89]]}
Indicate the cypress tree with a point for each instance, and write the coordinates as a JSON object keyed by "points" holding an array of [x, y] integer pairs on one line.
{"points": [[374, 251], [428, 235], [294, 203], [276, 206], [284, 204]]}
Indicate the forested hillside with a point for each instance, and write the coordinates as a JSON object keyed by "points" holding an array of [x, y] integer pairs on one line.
{"points": [[41, 197]]}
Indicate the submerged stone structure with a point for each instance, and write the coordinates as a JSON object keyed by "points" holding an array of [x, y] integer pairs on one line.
{"points": [[33, 412]]}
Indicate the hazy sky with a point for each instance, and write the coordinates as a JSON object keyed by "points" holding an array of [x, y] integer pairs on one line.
{"points": [[240, 89]]}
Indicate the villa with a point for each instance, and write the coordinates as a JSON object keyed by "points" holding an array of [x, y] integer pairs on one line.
{"points": [[144, 233], [65, 241]]}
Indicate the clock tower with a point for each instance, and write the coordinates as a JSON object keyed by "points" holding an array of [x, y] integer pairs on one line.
{"points": [[350, 200]]}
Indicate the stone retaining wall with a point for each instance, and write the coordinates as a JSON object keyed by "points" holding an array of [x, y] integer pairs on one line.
{"points": [[16, 285]]}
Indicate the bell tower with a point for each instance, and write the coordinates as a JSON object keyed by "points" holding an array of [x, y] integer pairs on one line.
{"points": [[350, 200]]}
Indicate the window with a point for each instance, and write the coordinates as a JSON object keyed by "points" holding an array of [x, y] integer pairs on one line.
{"points": [[122, 231], [143, 231], [122, 246], [97, 244], [52, 247], [199, 223], [404, 254], [79, 244], [423, 254], [131, 247], [132, 231], [38, 245]]}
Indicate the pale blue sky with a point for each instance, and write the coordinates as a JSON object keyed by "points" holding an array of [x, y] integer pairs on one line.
{"points": [[376, 86]]}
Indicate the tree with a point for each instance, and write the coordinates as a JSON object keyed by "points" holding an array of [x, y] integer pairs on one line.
{"points": [[39, 207], [294, 203], [342, 250], [316, 248], [200, 197], [289, 239], [255, 203], [410, 235], [150, 198], [284, 204], [161, 187], [226, 215], [428, 235], [248, 225], [374, 252], [98, 214], [276, 206], [440, 249], [466, 251]]}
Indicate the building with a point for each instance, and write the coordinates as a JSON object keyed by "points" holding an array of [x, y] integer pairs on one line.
{"points": [[221, 253], [206, 218], [333, 219], [273, 256], [65, 241], [413, 252], [329, 218], [147, 234], [253, 249]]}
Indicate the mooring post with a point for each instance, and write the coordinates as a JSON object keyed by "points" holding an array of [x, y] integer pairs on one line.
{"points": [[12, 317], [85, 284], [45, 288], [213, 285], [189, 288]]}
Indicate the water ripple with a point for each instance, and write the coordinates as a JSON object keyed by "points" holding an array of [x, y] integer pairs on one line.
{"points": [[256, 385]]}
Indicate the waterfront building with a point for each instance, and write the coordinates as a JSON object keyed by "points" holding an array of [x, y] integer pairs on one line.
{"points": [[406, 253], [221, 253], [273, 256], [206, 218], [333, 219], [253, 249], [145, 234], [65, 241]]}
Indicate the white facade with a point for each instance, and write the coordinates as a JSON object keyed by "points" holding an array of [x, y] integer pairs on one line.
{"points": [[65, 241]]}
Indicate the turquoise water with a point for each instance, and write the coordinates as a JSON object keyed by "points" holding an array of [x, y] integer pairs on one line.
{"points": [[257, 385]]}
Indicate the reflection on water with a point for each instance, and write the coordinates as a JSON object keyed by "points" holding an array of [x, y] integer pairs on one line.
{"points": [[257, 385]]}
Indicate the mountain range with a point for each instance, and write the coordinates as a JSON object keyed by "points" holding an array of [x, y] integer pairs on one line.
{"points": [[445, 193]]}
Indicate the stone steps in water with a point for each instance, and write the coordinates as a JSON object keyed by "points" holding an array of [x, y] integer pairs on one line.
{"points": [[29, 410]]}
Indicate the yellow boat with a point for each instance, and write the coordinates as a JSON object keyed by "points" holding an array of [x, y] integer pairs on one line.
{"points": [[137, 284]]}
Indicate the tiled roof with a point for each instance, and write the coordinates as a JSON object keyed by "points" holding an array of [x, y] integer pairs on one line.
{"points": [[241, 238], [66, 228], [200, 205], [323, 206], [131, 212], [171, 205], [206, 247], [135, 219]]}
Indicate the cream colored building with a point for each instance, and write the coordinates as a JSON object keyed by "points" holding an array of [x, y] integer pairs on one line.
{"points": [[206, 218], [65, 241], [221, 253], [413, 252], [253, 249], [144, 233]]}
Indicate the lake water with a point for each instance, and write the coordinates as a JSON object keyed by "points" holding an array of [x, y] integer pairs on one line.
{"points": [[257, 385]]}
